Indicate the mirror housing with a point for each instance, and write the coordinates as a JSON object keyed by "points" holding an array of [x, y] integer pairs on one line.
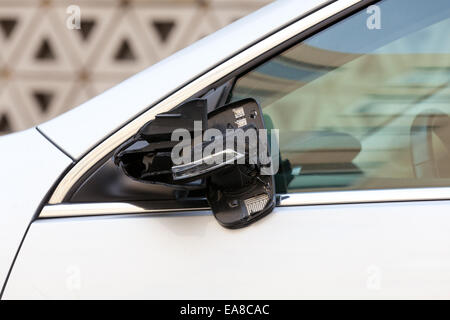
{"points": [[224, 152]]}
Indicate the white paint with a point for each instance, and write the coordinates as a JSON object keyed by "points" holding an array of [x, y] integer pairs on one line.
{"points": [[29, 166], [390, 250]]}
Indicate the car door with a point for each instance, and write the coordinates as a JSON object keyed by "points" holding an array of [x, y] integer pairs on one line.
{"points": [[360, 99]]}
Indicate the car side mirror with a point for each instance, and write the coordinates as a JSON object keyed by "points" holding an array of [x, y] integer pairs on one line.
{"points": [[224, 153]]}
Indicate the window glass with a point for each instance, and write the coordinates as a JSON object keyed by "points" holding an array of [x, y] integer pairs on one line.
{"points": [[363, 104]]}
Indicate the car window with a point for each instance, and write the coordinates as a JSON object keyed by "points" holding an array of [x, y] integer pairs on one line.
{"points": [[363, 104]]}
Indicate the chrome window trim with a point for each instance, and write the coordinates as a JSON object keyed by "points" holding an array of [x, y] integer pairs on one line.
{"points": [[285, 200], [222, 70], [104, 208], [364, 196]]}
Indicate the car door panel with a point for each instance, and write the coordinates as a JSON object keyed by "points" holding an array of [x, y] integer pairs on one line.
{"points": [[29, 166], [384, 250]]}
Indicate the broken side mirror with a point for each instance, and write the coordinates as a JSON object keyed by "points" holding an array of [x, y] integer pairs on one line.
{"points": [[225, 153]]}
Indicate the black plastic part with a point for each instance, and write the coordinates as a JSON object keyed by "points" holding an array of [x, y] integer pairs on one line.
{"points": [[225, 117], [240, 194], [237, 192], [147, 156], [229, 117], [217, 97], [109, 182], [231, 207], [161, 128]]}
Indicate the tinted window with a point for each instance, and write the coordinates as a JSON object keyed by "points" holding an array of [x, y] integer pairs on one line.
{"points": [[362, 107]]}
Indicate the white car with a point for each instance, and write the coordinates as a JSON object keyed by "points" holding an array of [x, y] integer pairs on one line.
{"points": [[360, 94]]}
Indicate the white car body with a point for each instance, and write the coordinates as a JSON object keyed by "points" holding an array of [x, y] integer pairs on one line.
{"points": [[336, 248]]}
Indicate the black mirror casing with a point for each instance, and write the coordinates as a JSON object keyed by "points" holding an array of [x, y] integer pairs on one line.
{"points": [[237, 190], [241, 194]]}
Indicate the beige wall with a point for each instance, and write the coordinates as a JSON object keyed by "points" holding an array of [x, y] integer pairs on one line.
{"points": [[47, 68]]}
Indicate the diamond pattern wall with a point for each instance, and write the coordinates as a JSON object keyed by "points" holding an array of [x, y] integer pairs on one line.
{"points": [[47, 68]]}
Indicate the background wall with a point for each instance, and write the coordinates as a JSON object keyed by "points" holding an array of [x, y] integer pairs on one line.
{"points": [[56, 54]]}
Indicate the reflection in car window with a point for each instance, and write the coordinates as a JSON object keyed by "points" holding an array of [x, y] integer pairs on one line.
{"points": [[360, 107]]}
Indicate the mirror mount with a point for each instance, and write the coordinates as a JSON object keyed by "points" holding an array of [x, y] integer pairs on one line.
{"points": [[229, 166]]}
